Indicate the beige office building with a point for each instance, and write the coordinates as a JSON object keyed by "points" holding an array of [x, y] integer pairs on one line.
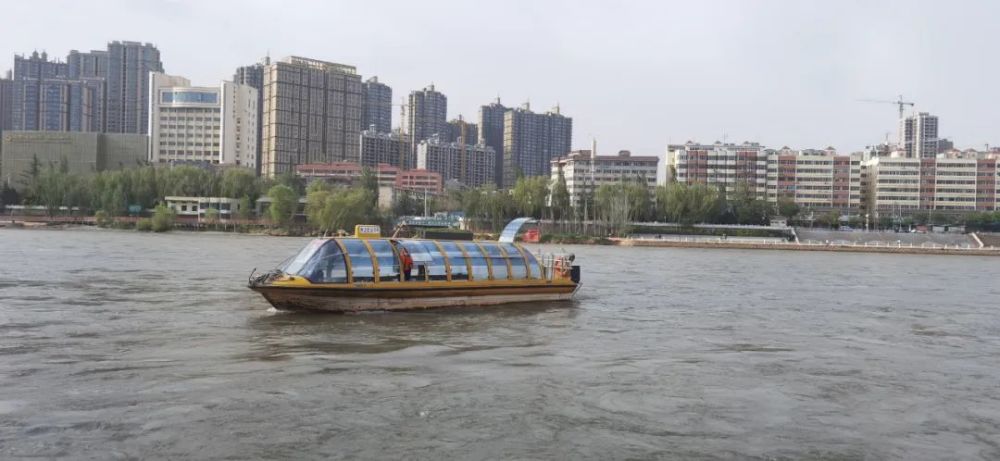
{"points": [[84, 153]]}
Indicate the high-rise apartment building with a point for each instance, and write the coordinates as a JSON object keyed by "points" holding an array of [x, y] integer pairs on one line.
{"points": [[472, 165], [127, 80], [426, 116], [312, 114], [253, 76], [899, 186], [815, 179], [87, 65], [584, 172], [463, 132], [377, 106], [386, 148], [491, 133], [6, 102], [918, 135], [731, 167], [532, 140], [216, 125], [45, 97]]}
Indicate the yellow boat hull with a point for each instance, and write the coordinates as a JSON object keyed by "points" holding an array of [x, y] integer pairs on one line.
{"points": [[357, 299]]}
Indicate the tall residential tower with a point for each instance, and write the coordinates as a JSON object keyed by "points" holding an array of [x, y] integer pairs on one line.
{"points": [[426, 116], [918, 135], [6, 101], [312, 114], [491, 134], [253, 76], [532, 140], [129, 65], [44, 97], [377, 106]]}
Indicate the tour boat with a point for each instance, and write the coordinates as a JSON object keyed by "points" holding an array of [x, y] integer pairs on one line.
{"points": [[368, 272]]}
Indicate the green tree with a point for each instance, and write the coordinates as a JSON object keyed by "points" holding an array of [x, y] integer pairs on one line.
{"points": [[211, 216], [687, 204], [239, 182], [830, 219], [163, 219], [404, 204], [788, 208], [369, 183], [292, 180], [612, 206], [50, 189], [748, 208], [29, 179], [245, 210], [530, 195], [561, 206], [284, 201], [640, 202]]}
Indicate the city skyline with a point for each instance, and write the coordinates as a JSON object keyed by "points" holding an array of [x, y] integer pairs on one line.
{"points": [[778, 73]]}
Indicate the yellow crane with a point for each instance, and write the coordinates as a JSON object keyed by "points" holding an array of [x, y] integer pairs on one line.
{"points": [[899, 102]]}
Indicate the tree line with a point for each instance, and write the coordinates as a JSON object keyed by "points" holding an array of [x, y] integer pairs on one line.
{"points": [[330, 208], [53, 186]]}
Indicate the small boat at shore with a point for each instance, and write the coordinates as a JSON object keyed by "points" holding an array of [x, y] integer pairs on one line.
{"points": [[367, 272]]}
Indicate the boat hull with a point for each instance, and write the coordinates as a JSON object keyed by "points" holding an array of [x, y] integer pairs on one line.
{"points": [[359, 299]]}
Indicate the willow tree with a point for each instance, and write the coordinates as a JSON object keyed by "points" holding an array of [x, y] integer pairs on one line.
{"points": [[561, 206], [284, 201]]}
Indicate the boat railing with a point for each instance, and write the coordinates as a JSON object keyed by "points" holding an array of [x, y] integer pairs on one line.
{"points": [[552, 261]]}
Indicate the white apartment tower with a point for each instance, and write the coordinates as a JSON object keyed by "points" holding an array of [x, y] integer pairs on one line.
{"points": [[215, 125], [918, 135]]}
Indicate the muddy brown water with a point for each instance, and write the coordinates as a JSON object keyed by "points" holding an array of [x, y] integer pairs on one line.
{"points": [[119, 345]]}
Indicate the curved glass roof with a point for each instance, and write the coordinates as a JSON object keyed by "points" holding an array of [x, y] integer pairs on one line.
{"points": [[353, 260]]}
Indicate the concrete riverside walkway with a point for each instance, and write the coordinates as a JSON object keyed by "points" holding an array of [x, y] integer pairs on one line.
{"points": [[849, 247]]}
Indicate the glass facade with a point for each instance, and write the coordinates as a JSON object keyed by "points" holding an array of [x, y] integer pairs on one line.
{"points": [[361, 260], [200, 97]]}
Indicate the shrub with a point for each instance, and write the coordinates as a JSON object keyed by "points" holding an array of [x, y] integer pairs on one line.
{"points": [[103, 219], [163, 219], [144, 225]]}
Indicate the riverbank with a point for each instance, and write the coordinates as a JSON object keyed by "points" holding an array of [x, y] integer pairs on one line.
{"points": [[569, 239], [886, 248]]}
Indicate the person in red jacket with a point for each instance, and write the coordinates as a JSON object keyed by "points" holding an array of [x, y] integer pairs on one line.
{"points": [[406, 261]]}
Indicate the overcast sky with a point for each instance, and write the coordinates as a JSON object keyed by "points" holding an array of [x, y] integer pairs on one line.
{"points": [[636, 75]]}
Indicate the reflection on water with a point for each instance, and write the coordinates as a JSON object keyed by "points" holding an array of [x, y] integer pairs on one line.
{"points": [[284, 333], [124, 345]]}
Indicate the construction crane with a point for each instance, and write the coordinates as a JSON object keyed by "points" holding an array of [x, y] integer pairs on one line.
{"points": [[900, 102]]}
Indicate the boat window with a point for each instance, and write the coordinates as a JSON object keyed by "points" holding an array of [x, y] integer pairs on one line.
{"points": [[459, 271], [436, 269], [388, 265], [536, 269], [480, 271], [362, 269], [326, 266], [518, 270], [294, 265], [499, 262], [421, 259]]}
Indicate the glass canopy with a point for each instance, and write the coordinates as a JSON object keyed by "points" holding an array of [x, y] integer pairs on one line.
{"points": [[348, 260]]}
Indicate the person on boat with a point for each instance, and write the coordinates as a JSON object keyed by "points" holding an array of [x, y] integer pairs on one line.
{"points": [[406, 261]]}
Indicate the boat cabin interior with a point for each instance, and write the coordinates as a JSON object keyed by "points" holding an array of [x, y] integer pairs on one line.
{"points": [[353, 260]]}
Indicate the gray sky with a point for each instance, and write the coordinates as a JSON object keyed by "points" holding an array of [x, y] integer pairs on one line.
{"points": [[634, 74]]}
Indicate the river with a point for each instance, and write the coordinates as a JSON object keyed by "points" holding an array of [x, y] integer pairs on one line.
{"points": [[120, 345]]}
